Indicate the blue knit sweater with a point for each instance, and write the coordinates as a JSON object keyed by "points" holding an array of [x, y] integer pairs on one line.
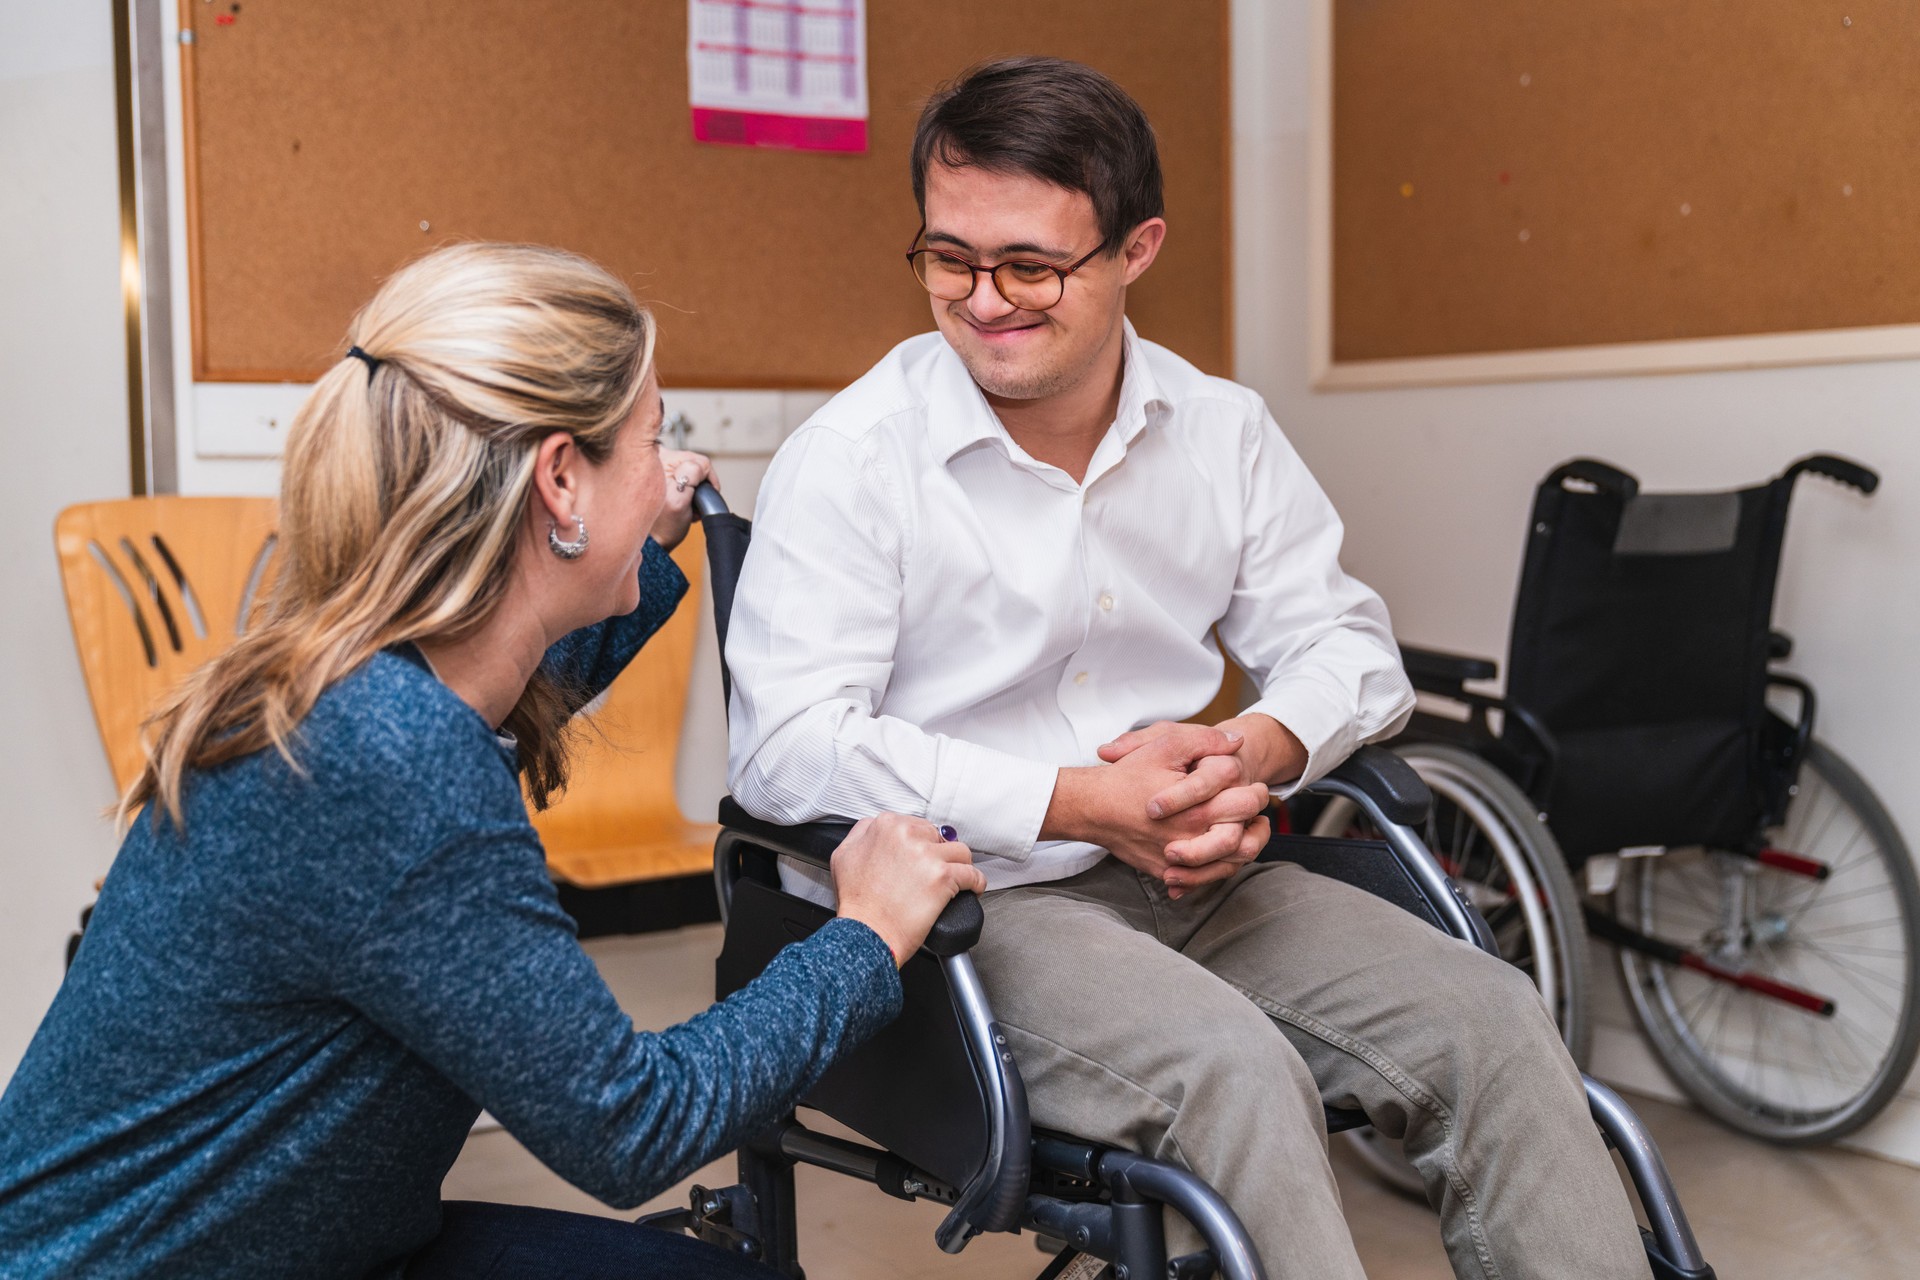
{"points": [[281, 1024]]}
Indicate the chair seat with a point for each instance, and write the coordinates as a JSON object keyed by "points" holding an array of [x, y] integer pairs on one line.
{"points": [[685, 848]]}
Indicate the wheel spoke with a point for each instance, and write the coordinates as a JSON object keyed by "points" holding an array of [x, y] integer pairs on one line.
{"points": [[1849, 929], [1818, 901], [1844, 949]]}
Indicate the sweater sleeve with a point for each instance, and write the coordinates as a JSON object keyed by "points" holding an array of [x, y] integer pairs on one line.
{"points": [[588, 660], [472, 965]]}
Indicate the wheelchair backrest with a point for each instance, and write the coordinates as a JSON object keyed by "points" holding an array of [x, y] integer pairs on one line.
{"points": [[936, 1086], [1640, 643]]}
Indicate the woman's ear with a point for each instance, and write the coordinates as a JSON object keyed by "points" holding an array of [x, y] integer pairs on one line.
{"points": [[557, 467]]}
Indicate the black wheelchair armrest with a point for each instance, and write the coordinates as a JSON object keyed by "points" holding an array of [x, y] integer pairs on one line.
{"points": [[810, 842], [1394, 797], [1435, 671], [1388, 781], [959, 925]]}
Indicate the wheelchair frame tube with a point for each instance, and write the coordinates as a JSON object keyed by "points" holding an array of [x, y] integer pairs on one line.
{"points": [[1413, 855], [1628, 1133], [993, 1201], [1194, 1200]]}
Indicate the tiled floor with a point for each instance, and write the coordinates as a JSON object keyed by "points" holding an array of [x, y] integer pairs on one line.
{"points": [[1761, 1213]]}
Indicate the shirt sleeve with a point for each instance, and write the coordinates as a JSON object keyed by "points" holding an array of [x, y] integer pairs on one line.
{"points": [[472, 964], [590, 659], [810, 645], [1316, 640]]}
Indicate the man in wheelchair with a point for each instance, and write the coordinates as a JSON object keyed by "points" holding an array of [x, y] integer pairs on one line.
{"points": [[987, 580]]}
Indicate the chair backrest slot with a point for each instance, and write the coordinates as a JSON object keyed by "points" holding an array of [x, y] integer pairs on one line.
{"points": [[119, 581], [170, 562], [187, 597], [255, 576], [154, 592]]}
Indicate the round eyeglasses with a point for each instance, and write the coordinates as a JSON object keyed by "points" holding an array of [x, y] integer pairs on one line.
{"points": [[1028, 285]]}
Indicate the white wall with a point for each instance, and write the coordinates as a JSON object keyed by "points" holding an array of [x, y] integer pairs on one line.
{"points": [[1435, 484], [63, 421]]}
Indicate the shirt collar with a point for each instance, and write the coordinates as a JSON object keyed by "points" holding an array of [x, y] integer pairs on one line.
{"points": [[1142, 402], [958, 415]]}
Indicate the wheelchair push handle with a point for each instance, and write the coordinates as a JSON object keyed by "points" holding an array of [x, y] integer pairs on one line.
{"points": [[707, 501], [1602, 476], [1843, 470]]}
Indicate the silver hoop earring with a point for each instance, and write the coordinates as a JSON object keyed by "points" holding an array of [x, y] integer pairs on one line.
{"points": [[561, 547]]}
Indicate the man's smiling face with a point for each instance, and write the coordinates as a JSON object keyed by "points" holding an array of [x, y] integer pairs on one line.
{"points": [[989, 218]]}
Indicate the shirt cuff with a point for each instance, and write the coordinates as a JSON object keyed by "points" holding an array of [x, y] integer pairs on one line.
{"points": [[1321, 717], [994, 800]]}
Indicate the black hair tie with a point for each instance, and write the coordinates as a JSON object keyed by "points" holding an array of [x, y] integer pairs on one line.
{"points": [[373, 365]]}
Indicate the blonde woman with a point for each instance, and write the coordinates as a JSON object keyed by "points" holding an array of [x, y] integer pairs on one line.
{"points": [[329, 938]]}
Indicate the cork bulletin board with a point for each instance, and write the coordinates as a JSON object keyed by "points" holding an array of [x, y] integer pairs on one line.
{"points": [[326, 144], [1508, 176]]}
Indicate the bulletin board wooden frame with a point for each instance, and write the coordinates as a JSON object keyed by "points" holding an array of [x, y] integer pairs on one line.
{"points": [[311, 163], [1780, 344]]}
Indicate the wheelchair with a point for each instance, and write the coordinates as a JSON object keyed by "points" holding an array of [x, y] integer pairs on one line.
{"points": [[939, 1094], [1764, 905]]}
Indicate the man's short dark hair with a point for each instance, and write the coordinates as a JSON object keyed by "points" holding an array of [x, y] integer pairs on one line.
{"points": [[1051, 119]]}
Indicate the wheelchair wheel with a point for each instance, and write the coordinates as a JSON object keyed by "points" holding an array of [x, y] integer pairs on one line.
{"points": [[1748, 1058], [1491, 842]]}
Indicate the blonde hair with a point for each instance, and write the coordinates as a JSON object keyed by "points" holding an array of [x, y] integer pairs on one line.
{"points": [[403, 492]]}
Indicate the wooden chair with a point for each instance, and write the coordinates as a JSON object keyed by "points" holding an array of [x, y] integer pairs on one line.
{"points": [[155, 587], [619, 821]]}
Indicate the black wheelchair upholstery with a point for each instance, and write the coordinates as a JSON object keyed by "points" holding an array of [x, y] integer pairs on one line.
{"points": [[1638, 663], [940, 1096]]}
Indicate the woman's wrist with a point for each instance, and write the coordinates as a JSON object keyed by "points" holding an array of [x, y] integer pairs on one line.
{"points": [[894, 947]]}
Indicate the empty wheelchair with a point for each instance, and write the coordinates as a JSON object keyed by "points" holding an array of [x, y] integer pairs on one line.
{"points": [[1766, 910], [940, 1096]]}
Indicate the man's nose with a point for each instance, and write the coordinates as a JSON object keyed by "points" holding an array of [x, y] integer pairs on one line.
{"points": [[986, 304]]}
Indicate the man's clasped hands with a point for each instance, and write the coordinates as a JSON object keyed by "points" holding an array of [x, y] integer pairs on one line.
{"points": [[1184, 803]]}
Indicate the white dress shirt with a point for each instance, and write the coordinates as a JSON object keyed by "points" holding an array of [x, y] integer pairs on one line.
{"points": [[932, 622]]}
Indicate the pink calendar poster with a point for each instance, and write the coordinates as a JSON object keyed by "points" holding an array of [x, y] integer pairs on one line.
{"points": [[778, 73]]}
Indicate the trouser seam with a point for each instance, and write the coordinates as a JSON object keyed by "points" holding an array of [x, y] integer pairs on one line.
{"points": [[1407, 1087], [1382, 1064]]}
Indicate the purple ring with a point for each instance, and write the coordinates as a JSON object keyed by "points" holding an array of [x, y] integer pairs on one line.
{"points": [[948, 834]]}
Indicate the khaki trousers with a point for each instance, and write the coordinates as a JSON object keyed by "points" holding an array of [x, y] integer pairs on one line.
{"points": [[1208, 1031]]}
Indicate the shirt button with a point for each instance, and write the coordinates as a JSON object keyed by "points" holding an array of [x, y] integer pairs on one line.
{"points": [[1106, 603], [1080, 678]]}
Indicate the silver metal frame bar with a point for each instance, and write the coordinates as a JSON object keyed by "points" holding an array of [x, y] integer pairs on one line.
{"points": [[1198, 1203], [1413, 855], [1628, 1133], [993, 1201], [145, 251]]}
